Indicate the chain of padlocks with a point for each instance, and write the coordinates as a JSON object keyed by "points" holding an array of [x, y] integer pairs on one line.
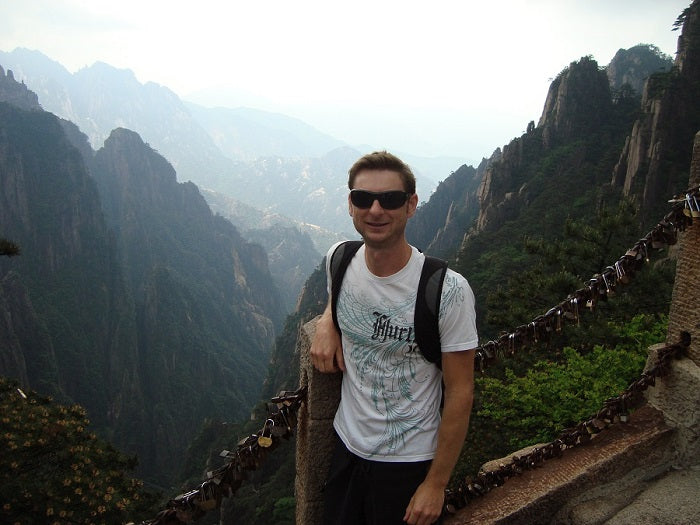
{"points": [[281, 421], [249, 454]]}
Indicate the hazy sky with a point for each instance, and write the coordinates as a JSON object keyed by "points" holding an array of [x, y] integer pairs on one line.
{"points": [[432, 78]]}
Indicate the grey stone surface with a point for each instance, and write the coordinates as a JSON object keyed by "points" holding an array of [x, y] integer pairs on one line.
{"points": [[674, 499]]}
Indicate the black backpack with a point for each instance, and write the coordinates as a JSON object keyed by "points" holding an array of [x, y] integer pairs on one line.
{"points": [[427, 332]]}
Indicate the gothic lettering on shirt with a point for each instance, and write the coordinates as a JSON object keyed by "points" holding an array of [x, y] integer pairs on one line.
{"points": [[384, 329]]}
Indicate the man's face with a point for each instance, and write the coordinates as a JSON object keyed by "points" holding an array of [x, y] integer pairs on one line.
{"points": [[380, 227]]}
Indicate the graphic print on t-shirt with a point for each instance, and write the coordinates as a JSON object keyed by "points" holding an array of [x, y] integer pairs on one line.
{"points": [[452, 295], [385, 361]]}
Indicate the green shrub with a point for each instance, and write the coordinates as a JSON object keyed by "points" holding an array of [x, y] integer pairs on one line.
{"points": [[552, 396], [53, 469]]}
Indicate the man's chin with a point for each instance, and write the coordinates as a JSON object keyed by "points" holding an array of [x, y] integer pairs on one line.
{"points": [[376, 240]]}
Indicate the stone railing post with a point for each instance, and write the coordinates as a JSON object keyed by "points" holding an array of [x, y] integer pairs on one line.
{"points": [[684, 314], [314, 432], [676, 395]]}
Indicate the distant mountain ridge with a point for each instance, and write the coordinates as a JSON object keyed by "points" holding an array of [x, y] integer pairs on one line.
{"points": [[100, 98], [247, 134], [210, 151], [17, 94]]}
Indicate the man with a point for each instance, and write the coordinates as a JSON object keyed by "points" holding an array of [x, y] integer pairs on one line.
{"points": [[395, 453]]}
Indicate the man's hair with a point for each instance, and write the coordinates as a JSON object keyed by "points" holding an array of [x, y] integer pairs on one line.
{"points": [[383, 160]]}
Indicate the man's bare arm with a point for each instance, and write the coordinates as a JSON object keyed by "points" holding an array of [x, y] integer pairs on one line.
{"points": [[458, 375]]}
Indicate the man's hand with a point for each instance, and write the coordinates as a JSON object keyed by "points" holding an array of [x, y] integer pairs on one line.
{"points": [[326, 348], [425, 506]]}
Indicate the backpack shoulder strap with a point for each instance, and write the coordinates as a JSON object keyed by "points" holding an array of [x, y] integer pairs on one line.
{"points": [[428, 308], [340, 259]]}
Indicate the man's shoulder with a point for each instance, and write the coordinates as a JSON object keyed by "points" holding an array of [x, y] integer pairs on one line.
{"points": [[341, 250], [455, 282], [334, 247], [454, 274]]}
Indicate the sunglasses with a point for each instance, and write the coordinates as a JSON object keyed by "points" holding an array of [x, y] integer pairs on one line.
{"points": [[389, 200]]}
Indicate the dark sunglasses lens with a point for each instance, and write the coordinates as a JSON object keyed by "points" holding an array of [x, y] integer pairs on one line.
{"points": [[389, 200], [392, 200], [362, 199]]}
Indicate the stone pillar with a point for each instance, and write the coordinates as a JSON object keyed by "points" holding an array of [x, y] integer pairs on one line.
{"points": [[314, 432], [684, 314], [676, 395]]}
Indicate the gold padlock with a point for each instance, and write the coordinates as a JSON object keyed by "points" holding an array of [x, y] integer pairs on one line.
{"points": [[265, 441]]}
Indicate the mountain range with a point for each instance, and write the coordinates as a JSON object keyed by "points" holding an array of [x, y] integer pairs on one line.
{"points": [[209, 146], [130, 296], [227, 152]]}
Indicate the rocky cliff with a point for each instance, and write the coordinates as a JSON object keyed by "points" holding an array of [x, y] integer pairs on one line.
{"points": [[129, 297], [632, 67], [440, 223], [15, 93], [658, 150], [63, 284], [578, 103], [205, 307], [586, 112]]}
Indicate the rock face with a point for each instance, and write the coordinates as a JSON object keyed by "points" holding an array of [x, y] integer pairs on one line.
{"points": [[129, 297], [632, 67], [441, 222], [63, 280], [27, 350], [496, 203], [577, 103], [15, 93], [658, 150], [584, 103]]}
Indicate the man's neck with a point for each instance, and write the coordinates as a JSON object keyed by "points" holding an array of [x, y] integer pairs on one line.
{"points": [[384, 262]]}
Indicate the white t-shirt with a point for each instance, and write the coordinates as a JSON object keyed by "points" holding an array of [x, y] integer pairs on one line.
{"points": [[390, 396]]}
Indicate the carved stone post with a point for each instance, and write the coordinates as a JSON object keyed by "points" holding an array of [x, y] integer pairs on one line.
{"points": [[685, 303], [314, 432], [676, 395]]}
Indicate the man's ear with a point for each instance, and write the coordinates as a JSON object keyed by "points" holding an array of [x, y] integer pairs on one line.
{"points": [[349, 205], [412, 204]]}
